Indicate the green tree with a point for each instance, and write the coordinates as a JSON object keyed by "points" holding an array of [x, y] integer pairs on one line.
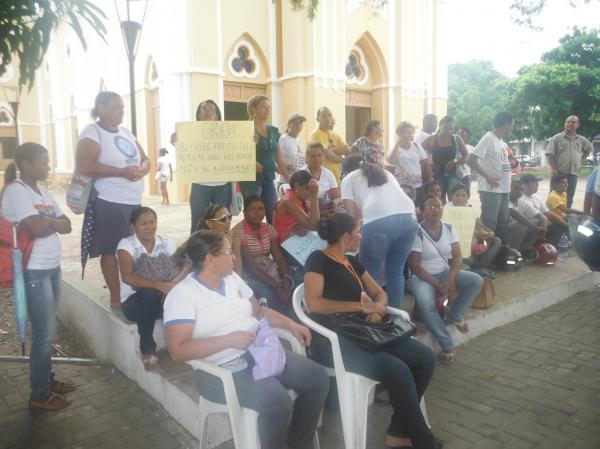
{"points": [[26, 27], [526, 11], [311, 6], [582, 47], [475, 94]]}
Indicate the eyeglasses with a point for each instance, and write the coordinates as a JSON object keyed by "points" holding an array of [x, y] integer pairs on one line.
{"points": [[229, 252], [434, 207], [222, 219]]}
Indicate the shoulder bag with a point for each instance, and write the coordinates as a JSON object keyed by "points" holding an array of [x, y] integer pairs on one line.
{"points": [[80, 188]]}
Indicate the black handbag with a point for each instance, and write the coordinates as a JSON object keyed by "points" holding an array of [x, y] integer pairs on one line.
{"points": [[372, 336]]}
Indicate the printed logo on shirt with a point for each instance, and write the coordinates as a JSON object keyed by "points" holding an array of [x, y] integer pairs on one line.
{"points": [[45, 210], [126, 148]]}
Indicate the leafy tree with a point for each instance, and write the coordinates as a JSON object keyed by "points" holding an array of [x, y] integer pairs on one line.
{"points": [[311, 6], [528, 10], [582, 47], [475, 94], [26, 27]]}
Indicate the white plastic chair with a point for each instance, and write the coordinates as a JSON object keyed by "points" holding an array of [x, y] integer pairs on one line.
{"points": [[355, 392], [243, 420]]}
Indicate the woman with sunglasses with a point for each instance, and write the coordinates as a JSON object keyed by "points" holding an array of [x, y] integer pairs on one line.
{"points": [[218, 218], [259, 258], [211, 315], [434, 276]]}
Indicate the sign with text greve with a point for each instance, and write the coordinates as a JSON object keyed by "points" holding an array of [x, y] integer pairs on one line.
{"points": [[215, 151]]}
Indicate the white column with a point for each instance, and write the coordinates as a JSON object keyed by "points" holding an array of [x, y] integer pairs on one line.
{"points": [[392, 82], [276, 88]]}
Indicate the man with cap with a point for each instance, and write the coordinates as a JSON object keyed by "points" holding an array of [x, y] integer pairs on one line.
{"points": [[290, 147], [565, 153]]}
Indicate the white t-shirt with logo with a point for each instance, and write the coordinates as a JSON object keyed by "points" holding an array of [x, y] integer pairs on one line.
{"points": [[408, 162], [435, 253], [523, 207], [20, 201], [213, 313], [493, 158], [135, 248], [117, 149], [326, 182], [292, 155], [376, 202]]}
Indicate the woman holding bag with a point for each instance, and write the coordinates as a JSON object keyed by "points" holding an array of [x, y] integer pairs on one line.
{"points": [[337, 283], [433, 276], [210, 315], [26, 202]]}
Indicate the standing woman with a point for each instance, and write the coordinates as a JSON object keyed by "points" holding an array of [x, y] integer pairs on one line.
{"points": [[164, 174], [369, 146], [269, 158], [32, 205], [410, 159], [110, 154], [204, 194], [389, 224]]}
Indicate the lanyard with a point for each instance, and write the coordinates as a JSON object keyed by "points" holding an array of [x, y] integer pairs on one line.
{"points": [[348, 266]]}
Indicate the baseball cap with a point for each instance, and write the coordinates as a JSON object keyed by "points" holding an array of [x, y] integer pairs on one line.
{"points": [[294, 116], [528, 178]]}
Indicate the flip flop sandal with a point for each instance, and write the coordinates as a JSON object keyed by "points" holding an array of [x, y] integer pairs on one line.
{"points": [[446, 358], [150, 362], [461, 325], [63, 387], [54, 401]]}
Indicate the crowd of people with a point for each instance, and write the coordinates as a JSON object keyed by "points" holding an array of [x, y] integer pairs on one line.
{"points": [[380, 212]]}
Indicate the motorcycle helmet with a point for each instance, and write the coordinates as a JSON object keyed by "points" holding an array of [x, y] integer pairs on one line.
{"points": [[586, 240], [480, 248], [546, 254], [509, 259]]}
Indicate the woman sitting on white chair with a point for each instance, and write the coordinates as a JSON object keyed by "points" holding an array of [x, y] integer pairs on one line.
{"points": [[337, 283], [209, 315]]}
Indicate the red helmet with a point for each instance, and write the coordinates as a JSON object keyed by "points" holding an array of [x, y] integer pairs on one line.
{"points": [[480, 248], [547, 254]]}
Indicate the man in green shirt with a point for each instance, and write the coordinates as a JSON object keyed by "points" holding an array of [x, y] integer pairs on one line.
{"points": [[565, 153]]}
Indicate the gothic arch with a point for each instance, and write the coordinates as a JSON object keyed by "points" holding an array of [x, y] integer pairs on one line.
{"points": [[254, 55]]}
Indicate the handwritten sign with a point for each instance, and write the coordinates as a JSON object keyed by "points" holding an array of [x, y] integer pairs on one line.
{"points": [[463, 220], [215, 151], [302, 247]]}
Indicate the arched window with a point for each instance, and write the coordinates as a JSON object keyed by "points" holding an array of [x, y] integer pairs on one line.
{"points": [[243, 62], [357, 71]]}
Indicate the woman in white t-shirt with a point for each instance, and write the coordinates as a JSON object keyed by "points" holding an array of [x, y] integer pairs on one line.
{"points": [[389, 222], [329, 192], [31, 205], [212, 315], [410, 159], [147, 274], [164, 174], [110, 153], [434, 277]]}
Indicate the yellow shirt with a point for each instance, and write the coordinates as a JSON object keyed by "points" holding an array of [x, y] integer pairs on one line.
{"points": [[327, 139], [553, 202]]}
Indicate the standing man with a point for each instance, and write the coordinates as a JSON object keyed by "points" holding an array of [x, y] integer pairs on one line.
{"points": [[335, 147], [430, 123], [565, 152], [489, 160], [290, 147]]}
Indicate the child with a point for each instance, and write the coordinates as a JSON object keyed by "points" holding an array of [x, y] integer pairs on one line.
{"points": [[431, 188], [24, 201], [164, 173], [485, 245]]}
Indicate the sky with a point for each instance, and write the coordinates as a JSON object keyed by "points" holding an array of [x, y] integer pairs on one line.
{"points": [[482, 29]]}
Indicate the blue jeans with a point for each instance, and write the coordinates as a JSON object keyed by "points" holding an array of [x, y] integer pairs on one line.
{"points": [[265, 188], [468, 285], [494, 213], [388, 240], [144, 307], [203, 196], [42, 288]]}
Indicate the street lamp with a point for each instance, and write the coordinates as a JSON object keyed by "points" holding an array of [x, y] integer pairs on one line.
{"points": [[131, 28]]}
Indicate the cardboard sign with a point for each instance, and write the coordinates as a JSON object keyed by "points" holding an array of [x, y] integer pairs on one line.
{"points": [[215, 151], [463, 220], [302, 247]]}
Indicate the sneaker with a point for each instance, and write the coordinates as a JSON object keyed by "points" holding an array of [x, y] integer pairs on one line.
{"points": [[53, 401]]}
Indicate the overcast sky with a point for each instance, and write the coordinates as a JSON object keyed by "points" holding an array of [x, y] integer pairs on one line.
{"points": [[482, 29]]}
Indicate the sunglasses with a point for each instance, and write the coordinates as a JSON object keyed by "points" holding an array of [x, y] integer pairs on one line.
{"points": [[222, 219]]}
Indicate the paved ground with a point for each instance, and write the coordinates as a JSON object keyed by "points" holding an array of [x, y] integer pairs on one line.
{"points": [[530, 385]]}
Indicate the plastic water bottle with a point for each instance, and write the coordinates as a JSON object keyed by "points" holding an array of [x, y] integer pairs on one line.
{"points": [[563, 248]]}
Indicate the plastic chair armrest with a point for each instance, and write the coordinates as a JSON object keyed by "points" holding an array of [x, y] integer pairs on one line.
{"points": [[231, 398], [399, 312], [286, 335]]}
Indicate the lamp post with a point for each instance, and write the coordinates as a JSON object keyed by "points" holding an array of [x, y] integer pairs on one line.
{"points": [[15, 108], [131, 30]]}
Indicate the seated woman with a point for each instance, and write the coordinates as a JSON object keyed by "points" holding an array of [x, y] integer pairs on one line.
{"points": [[431, 188], [259, 259], [216, 217], [432, 276], [337, 283], [210, 315], [147, 274], [329, 192], [295, 214]]}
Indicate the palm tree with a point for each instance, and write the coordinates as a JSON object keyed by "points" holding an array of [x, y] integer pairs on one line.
{"points": [[26, 27]]}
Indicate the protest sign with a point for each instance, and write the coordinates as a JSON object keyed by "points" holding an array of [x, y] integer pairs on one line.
{"points": [[463, 220], [215, 151], [300, 247]]}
